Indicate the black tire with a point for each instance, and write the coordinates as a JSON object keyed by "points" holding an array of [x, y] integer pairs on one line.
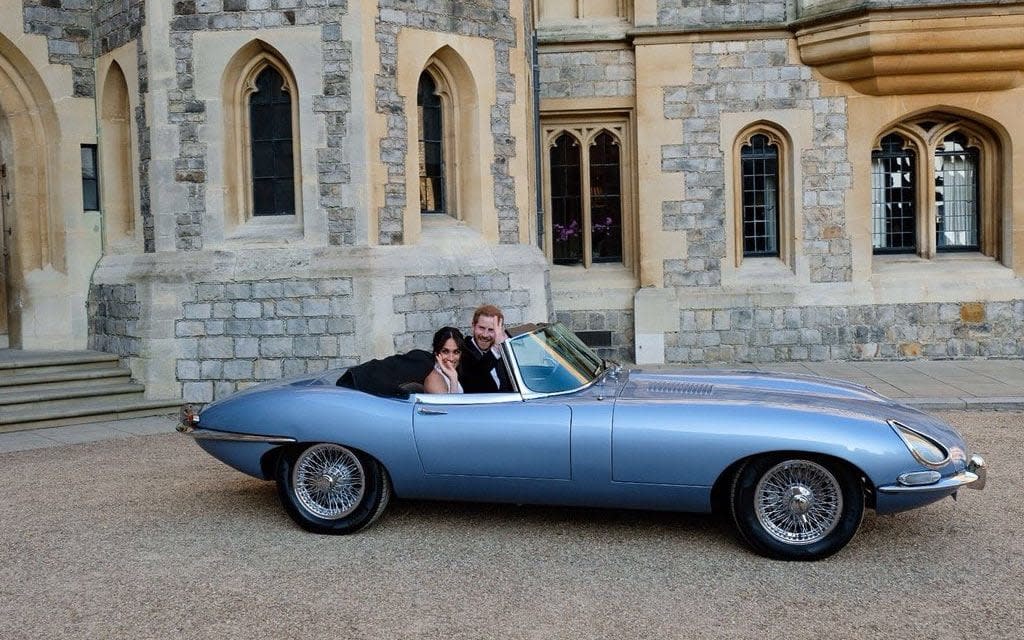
{"points": [[796, 506], [328, 488]]}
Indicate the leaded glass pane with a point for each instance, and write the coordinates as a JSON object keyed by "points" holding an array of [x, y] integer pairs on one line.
{"points": [[566, 201], [956, 195], [270, 124], [605, 199], [760, 166], [431, 146], [893, 199]]}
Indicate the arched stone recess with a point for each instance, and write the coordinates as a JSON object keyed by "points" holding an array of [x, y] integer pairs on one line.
{"points": [[117, 174], [462, 69], [238, 86], [779, 140], [29, 131]]}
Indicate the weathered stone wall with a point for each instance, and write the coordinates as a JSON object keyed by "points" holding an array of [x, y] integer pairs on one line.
{"points": [[587, 74], [431, 302], [714, 13], [753, 76], [189, 114], [616, 321], [118, 22], [489, 19], [884, 332], [114, 313], [809, 8], [68, 27], [235, 334]]}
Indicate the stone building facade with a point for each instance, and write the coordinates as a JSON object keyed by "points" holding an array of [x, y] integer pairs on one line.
{"points": [[683, 181]]}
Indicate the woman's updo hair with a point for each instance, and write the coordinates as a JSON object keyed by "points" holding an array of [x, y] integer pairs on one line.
{"points": [[442, 336]]}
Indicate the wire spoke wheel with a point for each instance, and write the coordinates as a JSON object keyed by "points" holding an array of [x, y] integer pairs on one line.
{"points": [[329, 481], [798, 502]]}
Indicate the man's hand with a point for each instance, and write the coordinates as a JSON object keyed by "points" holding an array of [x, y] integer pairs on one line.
{"points": [[499, 333]]}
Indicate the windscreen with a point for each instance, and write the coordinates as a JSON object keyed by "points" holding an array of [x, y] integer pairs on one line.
{"points": [[553, 359]]}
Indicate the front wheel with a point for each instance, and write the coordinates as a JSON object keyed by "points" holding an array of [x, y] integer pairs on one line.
{"points": [[794, 507], [328, 488]]}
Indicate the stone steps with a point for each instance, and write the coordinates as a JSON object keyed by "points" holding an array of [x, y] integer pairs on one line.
{"points": [[49, 389]]}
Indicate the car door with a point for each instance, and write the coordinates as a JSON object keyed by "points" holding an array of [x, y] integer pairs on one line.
{"points": [[492, 435]]}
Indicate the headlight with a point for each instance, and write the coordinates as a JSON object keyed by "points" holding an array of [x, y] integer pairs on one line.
{"points": [[927, 451]]}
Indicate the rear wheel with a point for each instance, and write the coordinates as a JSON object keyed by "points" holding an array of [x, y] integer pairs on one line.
{"points": [[328, 488], [795, 507]]}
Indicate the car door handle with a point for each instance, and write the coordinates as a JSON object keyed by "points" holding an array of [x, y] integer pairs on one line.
{"points": [[423, 411]]}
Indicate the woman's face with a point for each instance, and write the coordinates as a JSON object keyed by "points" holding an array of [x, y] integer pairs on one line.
{"points": [[450, 352]]}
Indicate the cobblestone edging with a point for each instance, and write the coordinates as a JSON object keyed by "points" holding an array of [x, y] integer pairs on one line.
{"points": [[234, 335], [750, 77], [114, 312], [868, 332], [588, 74], [477, 18], [434, 301], [705, 13], [189, 113]]}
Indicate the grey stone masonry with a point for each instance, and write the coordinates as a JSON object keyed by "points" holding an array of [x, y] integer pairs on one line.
{"points": [[815, 8], [718, 13], [189, 113], [587, 74], [118, 22], [616, 321], [114, 312], [434, 301], [478, 18], [233, 335], [68, 27], [863, 332], [752, 76]]}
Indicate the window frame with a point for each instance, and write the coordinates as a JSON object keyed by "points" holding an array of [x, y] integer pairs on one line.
{"points": [[585, 128], [239, 88], [444, 88], [924, 134], [90, 185], [785, 226]]}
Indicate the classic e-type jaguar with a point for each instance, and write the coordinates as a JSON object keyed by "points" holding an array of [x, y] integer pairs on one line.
{"points": [[794, 460]]}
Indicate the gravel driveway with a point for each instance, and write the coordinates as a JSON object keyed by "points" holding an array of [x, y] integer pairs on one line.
{"points": [[148, 537]]}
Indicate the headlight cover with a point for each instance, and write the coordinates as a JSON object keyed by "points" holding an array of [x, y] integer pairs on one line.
{"points": [[925, 450]]}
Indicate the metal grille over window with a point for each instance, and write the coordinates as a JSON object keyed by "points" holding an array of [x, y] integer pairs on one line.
{"points": [[956, 195], [566, 203], [270, 118], [90, 178], [605, 200], [431, 146], [760, 161], [893, 198]]}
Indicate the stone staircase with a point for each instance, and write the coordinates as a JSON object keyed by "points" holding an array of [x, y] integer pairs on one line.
{"points": [[58, 388]]}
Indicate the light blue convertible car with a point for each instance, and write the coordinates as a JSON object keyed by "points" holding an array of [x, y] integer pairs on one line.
{"points": [[793, 460]]}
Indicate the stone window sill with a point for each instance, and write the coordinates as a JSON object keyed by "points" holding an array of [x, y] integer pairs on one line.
{"points": [[267, 230]]}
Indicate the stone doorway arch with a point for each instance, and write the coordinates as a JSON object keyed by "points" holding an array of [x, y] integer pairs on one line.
{"points": [[32, 240]]}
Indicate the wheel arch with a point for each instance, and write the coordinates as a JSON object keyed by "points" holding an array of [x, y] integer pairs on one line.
{"points": [[720, 490]]}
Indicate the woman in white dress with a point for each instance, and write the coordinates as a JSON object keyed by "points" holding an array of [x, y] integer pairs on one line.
{"points": [[447, 353]]}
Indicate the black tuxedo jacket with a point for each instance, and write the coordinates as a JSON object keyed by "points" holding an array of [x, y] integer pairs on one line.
{"points": [[475, 371]]}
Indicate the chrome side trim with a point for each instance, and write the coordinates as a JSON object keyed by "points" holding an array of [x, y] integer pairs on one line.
{"points": [[209, 434], [964, 478]]}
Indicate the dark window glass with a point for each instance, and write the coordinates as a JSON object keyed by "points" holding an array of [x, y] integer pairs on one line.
{"points": [[893, 198], [270, 123], [760, 166], [566, 201], [90, 178], [956, 195], [431, 146], [605, 199]]}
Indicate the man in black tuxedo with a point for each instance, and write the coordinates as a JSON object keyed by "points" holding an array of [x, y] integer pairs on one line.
{"points": [[481, 368]]}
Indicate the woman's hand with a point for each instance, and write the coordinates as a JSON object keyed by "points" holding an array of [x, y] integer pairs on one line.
{"points": [[447, 368]]}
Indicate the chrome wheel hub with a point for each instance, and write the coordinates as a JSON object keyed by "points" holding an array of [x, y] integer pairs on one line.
{"points": [[329, 481], [798, 502]]}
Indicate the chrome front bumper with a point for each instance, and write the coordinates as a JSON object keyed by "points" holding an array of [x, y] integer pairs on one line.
{"points": [[973, 477], [188, 424]]}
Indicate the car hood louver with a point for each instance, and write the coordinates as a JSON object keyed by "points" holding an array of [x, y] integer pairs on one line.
{"points": [[670, 387]]}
